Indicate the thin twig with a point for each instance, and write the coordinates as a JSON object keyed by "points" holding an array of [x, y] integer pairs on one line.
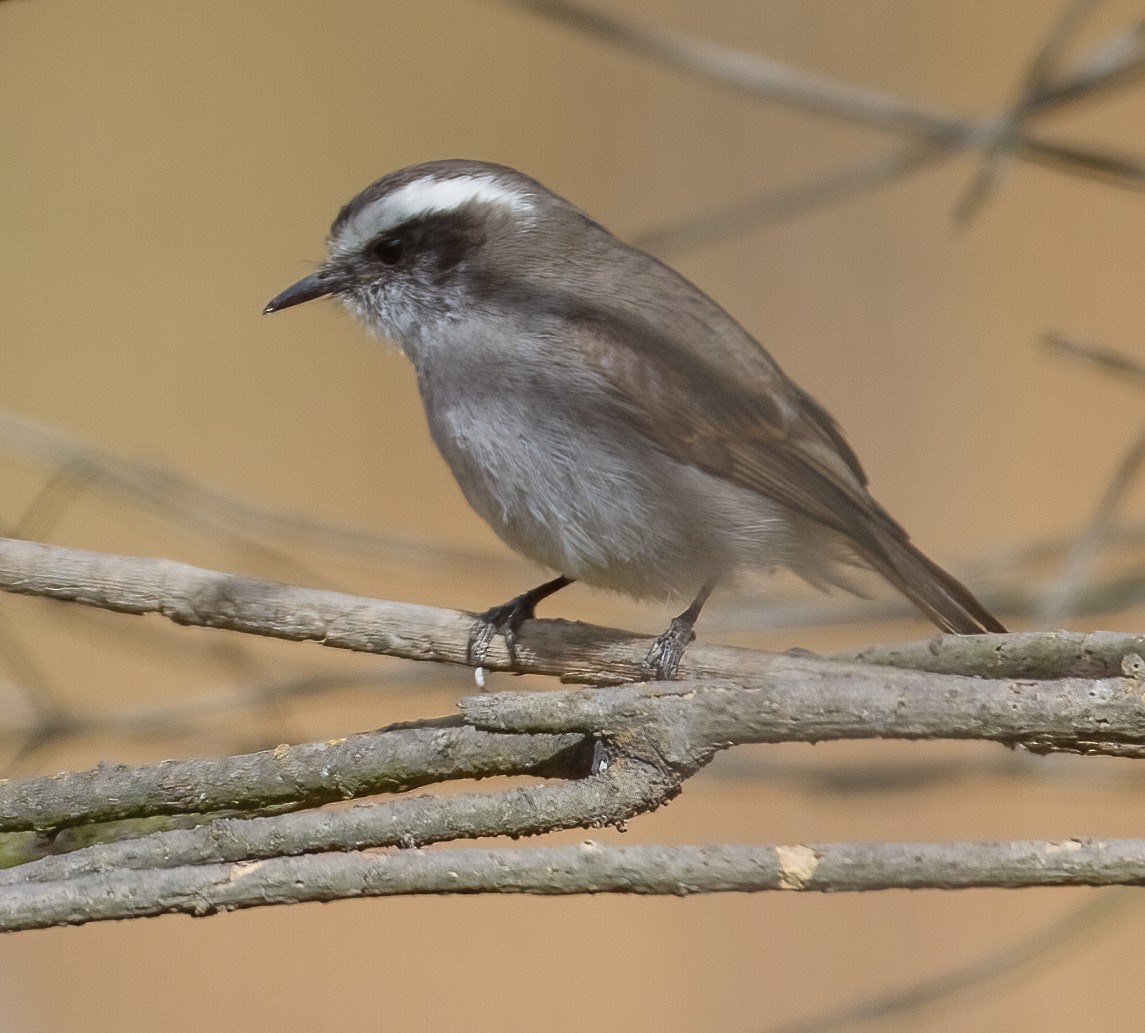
{"points": [[1059, 602], [1098, 356], [712, 226], [1035, 82], [939, 133], [198, 506]]}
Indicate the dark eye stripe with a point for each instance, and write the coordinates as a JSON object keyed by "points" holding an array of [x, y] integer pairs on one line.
{"points": [[388, 250]]}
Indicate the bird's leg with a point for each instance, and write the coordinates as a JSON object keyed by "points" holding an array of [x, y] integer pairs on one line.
{"points": [[667, 651], [507, 618]]}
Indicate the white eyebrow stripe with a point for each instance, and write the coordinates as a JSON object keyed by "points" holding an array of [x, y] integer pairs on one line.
{"points": [[426, 196]]}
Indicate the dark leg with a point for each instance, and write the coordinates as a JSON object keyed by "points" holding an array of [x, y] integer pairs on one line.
{"points": [[507, 618], [667, 651]]}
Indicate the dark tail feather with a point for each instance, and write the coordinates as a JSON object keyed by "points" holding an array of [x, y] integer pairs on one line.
{"points": [[944, 599]]}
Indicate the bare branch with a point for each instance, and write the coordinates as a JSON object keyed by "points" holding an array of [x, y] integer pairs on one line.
{"points": [[808, 700], [570, 650], [1041, 655], [679, 724], [649, 739], [586, 868], [626, 789], [387, 761], [1099, 356], [192, 596]]}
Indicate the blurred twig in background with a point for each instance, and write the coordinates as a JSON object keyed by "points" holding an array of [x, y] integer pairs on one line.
{"points": [[999, 966], [934, 134], [1060, 602]]}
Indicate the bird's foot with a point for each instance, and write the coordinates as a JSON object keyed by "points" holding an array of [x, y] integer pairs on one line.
{"points": [[506, 620], [663, 659]]}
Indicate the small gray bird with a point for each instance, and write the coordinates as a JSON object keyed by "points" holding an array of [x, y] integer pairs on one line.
{"points": [[605, 416]]}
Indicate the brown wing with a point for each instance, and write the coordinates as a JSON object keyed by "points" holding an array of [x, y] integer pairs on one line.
{"points": [[734, 414], [742, 420]]}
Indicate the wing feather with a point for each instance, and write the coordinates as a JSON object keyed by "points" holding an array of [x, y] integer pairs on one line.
{"points": [[725, 407]]}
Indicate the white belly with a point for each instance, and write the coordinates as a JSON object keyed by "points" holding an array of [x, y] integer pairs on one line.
{"points": [[595, 502]]}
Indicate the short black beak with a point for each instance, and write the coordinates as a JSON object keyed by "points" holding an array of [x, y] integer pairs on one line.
{"points": [[316, 285]]}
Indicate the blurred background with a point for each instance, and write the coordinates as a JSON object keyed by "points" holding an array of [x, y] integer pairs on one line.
{"points": [[167, 168]]}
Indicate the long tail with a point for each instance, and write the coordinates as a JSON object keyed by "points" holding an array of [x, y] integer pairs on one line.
{"points": [[944, 599]]}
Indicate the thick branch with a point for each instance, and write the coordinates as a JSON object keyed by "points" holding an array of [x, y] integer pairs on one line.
{"points": [[586, 868], [655, 735], [203, 598], [573, 651], [808, 700], [676, 724]]}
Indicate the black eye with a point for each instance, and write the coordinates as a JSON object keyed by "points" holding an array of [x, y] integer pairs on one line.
{"points": [[388, 250]]}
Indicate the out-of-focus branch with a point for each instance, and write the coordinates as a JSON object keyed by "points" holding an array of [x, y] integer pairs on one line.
{"points": [[1097, 356], [936, 134], [1112, 63], [1083, 553], [754, 74], [1039, 75], [1059, 603], [853, 179], [992, 968], [195, 506]]}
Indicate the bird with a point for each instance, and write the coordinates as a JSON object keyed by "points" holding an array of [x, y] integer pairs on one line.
{"points": [[607, 418]]}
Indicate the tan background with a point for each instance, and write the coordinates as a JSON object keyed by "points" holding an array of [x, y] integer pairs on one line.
{"points": [[166, 168]]}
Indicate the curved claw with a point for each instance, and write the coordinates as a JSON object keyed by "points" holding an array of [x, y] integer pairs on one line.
{"points": [[503, 620], [506, 620], [663, 659], [480, 638]]}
